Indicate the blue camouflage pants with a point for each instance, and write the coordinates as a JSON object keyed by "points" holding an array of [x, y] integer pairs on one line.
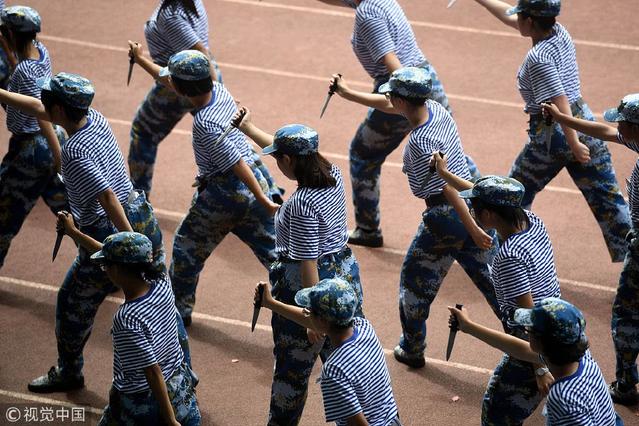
{"points": [[377, 136], [27, 172], [441, 238], [158, 114], [535, 167], [625, 317], [5, 70], [224, 205], [142, 408], [512, 394], [86, 285], [294, 354]]}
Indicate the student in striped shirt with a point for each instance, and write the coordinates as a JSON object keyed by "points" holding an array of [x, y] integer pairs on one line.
{"points": [[383, 41], [625, 310], [523, 273], [29, 169], [232, 194], [556, 330], [102, 203], [311, 236], [152, 383], [447, 232], [355, 383], [549, 72]]}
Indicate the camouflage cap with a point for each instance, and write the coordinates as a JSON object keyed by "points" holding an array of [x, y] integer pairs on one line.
{"points": [[72, 89], [556, 318], [538, 8], [294, 139], [190, 65], [21, 19], [628, 110], [125, 247], [331, 299], [497, 190], [411, 82]]}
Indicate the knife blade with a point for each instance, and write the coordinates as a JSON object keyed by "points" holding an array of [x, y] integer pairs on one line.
{"points": [[331, 92], [58, 241], [257, 304], [451, 3], [232, 125], [429, 175], [131, 63], [454, 326], [548, 121]]}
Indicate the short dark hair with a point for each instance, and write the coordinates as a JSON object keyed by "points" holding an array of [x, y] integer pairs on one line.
{"points": [[543, 23], [511, 215], [192, 87], [74, 114], [19, 40], [147, 270], [312, 170], [560, 353], [340, 327], [411, 100]]}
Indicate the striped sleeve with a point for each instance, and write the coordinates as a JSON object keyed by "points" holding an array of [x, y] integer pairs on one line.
{"points": [[178, 31], [513, 278], [377, 37], [304, 242], [546, 81], [223, 154], [85, 179], [340, 397], [134, 349]]}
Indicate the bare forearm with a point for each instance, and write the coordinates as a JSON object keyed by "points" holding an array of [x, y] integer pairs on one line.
{"points": [[259, 136], [293, 313], [153, 70], [562, 103], [308, 270], [370, 100], [114, 210], [27, 104], [498, 10], [85, 241], [590, 128], [461, 208], [52, 140], [245, 174], [391, 62], [513, 346], [459, 183], [158, 388]]}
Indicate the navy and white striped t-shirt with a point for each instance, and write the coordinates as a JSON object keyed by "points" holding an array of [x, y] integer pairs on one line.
{"points": [[355, 380], [439, 133], [381, 28], [312, 222], [549, 69], [525, 264], [145, 333], [175, 29], [92, 163], [633, 182], [581, 398], [208, 124], [23, 81]]}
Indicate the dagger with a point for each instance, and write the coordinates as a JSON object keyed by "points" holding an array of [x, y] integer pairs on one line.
{"points": [[454, 326], [331, 92], [131, 63], [257, 304], [429, 175], [548, 121], [451, 3], [58, 239]]}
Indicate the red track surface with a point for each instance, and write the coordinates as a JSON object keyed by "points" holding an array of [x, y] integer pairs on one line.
{"points": [[254, 44]]}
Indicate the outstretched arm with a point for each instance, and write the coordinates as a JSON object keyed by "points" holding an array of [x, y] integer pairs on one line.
{"points": [[153, 69], [244, 173], [293, 313], [590, 128], [498, 9], [65, 222], [27, 104], [246, 126], [371, 100]]}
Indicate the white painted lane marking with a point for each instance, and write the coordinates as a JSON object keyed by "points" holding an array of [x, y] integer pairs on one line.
{"points": [[48, 401]]}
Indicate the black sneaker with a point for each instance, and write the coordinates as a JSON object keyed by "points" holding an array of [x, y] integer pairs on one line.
{"points": [[363, 237], [412, 360], [54, 381], [187, 320], [622, 395]]}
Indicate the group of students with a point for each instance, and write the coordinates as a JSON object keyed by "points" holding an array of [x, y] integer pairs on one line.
{"points": [[63, 150]]}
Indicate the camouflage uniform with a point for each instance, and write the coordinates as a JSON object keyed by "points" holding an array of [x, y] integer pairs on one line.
{"points": [[223, 204], [441, 238], [377, 136], [26, 173], [535, 167], [132, 409], [86, 285], [5, 69], [294, 354]]}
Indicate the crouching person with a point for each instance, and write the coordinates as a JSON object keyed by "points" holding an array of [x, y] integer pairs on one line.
{"points": [[356, 385]]}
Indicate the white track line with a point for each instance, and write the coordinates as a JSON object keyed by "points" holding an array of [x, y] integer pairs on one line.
{"points": [[447, 27], [48, 401]]}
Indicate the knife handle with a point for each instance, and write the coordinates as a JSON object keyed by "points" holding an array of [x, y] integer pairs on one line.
{"points": [[236, 123], [260, 293], [432, 166], [333, 88], [454, 323]]}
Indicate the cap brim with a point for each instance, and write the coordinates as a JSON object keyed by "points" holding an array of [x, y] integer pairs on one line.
{"points": [[613, 115], [98, 256], [164, 72], [384, 88], [44, 83], [269, 149], [468, 193], [302, 297], [523, 317], [513, 11]]}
